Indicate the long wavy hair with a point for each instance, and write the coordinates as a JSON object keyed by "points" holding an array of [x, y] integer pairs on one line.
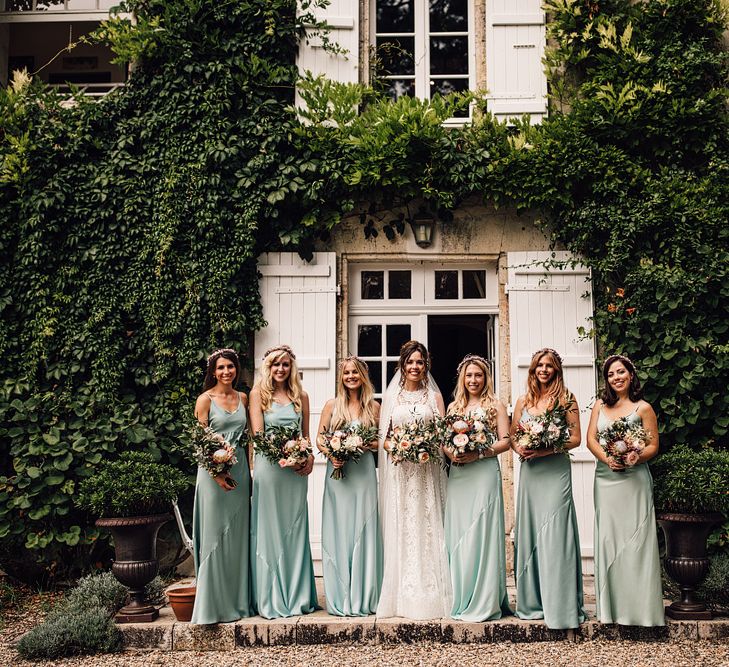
{"points": [[406, 351], [340, 413], [555, 390], [209, 382], [635, 392], [461, 395], [293, 383]]}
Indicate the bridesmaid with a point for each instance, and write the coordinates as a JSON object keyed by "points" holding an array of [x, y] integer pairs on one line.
{"points": [[474, 515], [282, 570], [351, 542], [220, 515], [547, 546], [627, 567]]}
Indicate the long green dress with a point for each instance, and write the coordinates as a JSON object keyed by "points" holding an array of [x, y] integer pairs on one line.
{"points": [[283, 572], [474, 533], [547, 545], [220, 531], [351, 541], [627, 566]]}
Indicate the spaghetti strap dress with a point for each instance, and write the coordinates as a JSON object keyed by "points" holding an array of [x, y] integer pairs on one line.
{"points": [[283, 572], [547, 561], [628, 586], [351, 541], [221, 530], [475, 534]]}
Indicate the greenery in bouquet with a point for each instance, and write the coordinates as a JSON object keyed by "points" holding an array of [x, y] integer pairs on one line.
{"points": [[623, 441], [549, 430], [417, 441], [283, 445], [347, 444], [211, 450], [475, 432]]}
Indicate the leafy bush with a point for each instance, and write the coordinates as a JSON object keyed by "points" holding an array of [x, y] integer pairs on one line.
{"points": [[714, 590], [95, 590], [133, 485], [692, 481]]}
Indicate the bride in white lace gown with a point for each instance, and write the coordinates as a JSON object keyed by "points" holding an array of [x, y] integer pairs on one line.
{"points": [[416, 583]]}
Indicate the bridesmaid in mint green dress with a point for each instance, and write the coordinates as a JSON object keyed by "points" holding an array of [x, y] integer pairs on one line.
{"points": [[627, 566], [351, 541], [220, 515], [547, 561], [282, 569], [474, 514]]}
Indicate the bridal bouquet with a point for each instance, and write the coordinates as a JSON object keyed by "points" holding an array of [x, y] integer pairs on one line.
{"points": [[623, 441], [416, 441], [475, 432], [347, 444], [211, 450], [282, 445], [546, 431]]}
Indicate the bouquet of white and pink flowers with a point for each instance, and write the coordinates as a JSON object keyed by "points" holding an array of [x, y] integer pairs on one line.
{"points": [[347, 444], [623, 441], [282, 445], [416, 441], [475, 432], [211, 450], [549, 430]]}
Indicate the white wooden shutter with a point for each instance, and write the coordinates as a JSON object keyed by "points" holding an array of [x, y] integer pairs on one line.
{"points": [[515, 40], [343, 18], [546, 307], [299, 304]]}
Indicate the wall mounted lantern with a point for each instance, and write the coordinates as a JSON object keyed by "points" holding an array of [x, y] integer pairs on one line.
{"points": [[423, 224]]}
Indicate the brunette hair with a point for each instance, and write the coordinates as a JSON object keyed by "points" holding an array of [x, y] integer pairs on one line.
{"points": [[226, 353], [460, 394], [635, 392], [340, 413], [293, 383], [555, 390], [406, 351]]}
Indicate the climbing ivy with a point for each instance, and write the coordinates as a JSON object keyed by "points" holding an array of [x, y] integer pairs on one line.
{"points": [[131, 226]]}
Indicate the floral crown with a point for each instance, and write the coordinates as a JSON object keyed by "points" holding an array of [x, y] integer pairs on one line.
{"points": [[353, 357], [214, 355], [281, 348], [618, 357], [549, 350], [469, 358]]}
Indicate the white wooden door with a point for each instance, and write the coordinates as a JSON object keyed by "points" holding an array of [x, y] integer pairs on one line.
{"points": [[299, 304], [515, 40], [546, 307]]}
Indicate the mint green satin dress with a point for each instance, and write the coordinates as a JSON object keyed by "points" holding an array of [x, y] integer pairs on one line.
{"points": [[547, 562], [351, 541], [475, 534], [627, 566], [220, 531], [282, 569]]}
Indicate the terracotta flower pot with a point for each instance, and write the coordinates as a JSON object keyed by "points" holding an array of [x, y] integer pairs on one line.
{"points": [[182, 600]]}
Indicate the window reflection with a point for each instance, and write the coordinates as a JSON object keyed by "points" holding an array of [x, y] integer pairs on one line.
{"points": [[398, 284], [369, 340], [373, 284], [396, 335], [395, 16], [446, 284], [449, 55], [448, 15], [396, 55], [399, 87], [474, 284]]}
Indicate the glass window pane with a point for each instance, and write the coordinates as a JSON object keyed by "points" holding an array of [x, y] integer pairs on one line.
{"points": [[391, 368], [395, 55], [373, 284], [448, 15], [369, 340], [449, 55], [395, 16], [399, 87], [446, 284], [474, 284], [396, 335], [446, 86], [398, 284], [375, 368]]}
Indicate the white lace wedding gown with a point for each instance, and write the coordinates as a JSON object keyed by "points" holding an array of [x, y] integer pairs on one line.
{"points": [[416, 583]]}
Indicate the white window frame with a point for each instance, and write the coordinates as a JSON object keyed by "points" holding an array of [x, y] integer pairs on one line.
{"points": [[422, 53]]}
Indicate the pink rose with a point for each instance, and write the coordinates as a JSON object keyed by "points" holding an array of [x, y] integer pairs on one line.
{"points": [[405, 444], [460, 440], [222, 455], [631, 458], [283, 463], [536, 427], [423, 457], [460, 426]]}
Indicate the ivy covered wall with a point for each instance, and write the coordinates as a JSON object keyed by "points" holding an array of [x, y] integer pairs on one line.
{"points": [[129, 227]]}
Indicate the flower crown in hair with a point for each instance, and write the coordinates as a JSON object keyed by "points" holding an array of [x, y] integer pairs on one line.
{"points": [[471, 358], [352, 357], [214, 355], [549, 350], [618, 357], [282, 348]]}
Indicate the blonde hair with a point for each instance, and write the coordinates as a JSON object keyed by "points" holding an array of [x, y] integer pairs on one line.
{"points": [[265, 383], [461, 396], [340, 413], [556, 391]]}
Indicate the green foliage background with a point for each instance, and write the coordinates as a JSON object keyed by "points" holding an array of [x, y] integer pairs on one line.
{"points": [[130, 226]]}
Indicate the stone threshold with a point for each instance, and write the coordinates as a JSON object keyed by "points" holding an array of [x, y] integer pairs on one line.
{"points": [[168, 634]]}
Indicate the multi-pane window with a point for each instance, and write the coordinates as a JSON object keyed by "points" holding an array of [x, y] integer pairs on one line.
{"points": [[423, 47], [59, 5]]}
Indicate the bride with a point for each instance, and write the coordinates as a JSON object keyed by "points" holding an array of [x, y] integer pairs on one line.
{"points": [[416, 583]]}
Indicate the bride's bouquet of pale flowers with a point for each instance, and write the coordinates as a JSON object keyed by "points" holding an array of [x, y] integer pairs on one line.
{"points": [[417, 441]]}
